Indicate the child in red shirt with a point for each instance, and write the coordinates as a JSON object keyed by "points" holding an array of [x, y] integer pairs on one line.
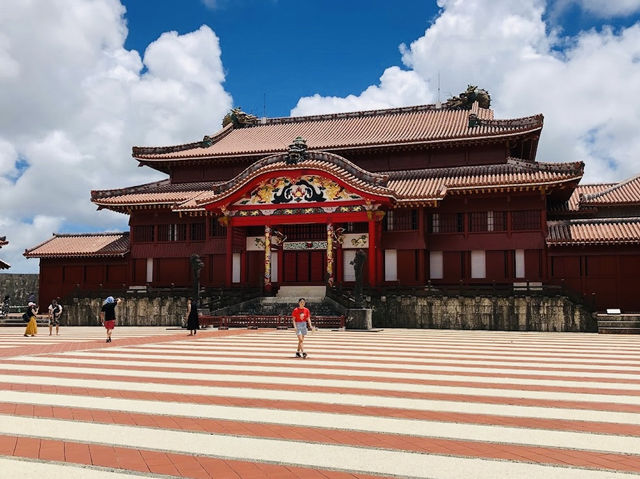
{"points": [[301, 316]]}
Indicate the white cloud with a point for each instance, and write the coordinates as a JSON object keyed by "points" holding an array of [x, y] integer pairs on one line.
{"points": [[74, 101], [605, 8], [397, 87], [586, 91]]}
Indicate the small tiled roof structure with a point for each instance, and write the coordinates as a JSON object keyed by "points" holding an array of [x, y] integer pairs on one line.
{"points": [[408, 188], [624, 193], [594, 231], [157, 194], [572, 205], [416, 125], [81, 245], [4, 242]]}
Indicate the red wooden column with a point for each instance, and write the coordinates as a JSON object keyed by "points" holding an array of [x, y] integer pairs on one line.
{"points": [[372, 252], [229, 254], [379, 250]]}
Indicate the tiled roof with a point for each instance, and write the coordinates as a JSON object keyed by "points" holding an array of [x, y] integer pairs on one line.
{"points": [[624, 193], [90, 244], [4, 265], [434, 184], [572, 205], [340, 167], [157, 193], [600, 231], [398, 126], [406, 187]]}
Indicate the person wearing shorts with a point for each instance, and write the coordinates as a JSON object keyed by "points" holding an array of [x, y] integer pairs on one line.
{"points": [[108, 315], [301, 317], [55, 311]]}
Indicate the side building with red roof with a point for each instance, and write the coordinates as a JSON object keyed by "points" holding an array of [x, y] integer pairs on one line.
{"points": [[433, 196]]}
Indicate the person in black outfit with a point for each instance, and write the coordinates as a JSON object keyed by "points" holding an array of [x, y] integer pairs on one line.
{"points": [[108, 315], [193, 323]]}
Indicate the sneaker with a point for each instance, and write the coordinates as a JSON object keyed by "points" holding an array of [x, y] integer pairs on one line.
{"points": [[304, 355], [297, 353]]}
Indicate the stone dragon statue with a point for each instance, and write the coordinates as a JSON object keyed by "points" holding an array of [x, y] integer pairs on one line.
{"points": [[239, 118], [466, 99]]}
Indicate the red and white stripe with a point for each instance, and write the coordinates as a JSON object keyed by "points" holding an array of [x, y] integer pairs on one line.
{"points": [[406, 403]]}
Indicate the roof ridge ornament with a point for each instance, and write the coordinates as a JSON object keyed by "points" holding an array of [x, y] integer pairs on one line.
{"points": [[297, 151], [465, 100], [239, 118]]}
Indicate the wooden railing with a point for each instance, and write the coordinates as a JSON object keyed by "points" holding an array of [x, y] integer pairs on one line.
{"points": [[267, 321]]}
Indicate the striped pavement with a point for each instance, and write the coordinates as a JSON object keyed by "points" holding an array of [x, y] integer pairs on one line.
{"points": [[395, 403]]}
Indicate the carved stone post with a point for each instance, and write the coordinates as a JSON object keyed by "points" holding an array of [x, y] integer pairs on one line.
{"points": [[330, 276], [267, 259]]}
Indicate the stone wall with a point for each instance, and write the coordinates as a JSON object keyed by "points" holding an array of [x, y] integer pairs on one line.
{"points": [[516, 313], [142, 311], [18, 286]]}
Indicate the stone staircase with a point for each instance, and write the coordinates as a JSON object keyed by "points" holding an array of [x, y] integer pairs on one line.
{"points": [[618, 323], [284, 302], [15, 320]]}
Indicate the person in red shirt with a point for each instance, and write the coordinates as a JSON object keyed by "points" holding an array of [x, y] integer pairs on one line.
{"points": [[301, 316]]}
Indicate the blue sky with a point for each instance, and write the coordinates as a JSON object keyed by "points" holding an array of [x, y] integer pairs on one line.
{"points": [[281, 50], [286, 49], [82, 81]]}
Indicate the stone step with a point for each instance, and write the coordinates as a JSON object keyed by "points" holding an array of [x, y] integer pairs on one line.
{"points": [[619, 330], [306, 292], [619, 324]]}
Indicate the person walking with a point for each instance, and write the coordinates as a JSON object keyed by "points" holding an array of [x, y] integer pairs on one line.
{"points": [[301, 316], [32, 325], [193, 322], [108, 315], [55, 312]]}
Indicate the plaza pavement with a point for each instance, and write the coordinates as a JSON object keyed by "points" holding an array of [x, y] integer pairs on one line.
{"points": [[401, 403]]}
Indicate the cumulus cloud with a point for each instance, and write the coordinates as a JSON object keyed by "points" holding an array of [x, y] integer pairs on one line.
{"points": [[74, 101], [397, 87], [584, 85], [604, 9]]}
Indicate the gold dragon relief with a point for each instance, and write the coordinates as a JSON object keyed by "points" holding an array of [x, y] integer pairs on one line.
{"points": [[304, 189]]}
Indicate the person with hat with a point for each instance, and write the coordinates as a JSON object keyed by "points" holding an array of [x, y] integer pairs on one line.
{"points": [[30, 317], [108, 315]]}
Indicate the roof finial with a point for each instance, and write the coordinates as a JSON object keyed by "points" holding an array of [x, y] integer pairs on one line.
{"points": [[297, 151], [239, 118]]}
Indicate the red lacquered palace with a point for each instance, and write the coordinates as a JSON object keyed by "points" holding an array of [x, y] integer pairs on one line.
{"points": [[432, 195]]}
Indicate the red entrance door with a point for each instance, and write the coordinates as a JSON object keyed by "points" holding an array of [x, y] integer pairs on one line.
{"points": [[304, 266]]}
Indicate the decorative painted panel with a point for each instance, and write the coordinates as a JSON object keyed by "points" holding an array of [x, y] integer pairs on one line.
{"points": [[355, 240], [305, 189], [304, 245]]}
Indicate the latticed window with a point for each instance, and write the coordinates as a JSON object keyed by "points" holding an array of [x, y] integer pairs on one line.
{"points": [[447, 222], [525, 220], [216, 229], [143, 233], [174, 232], [479, 221], [487, 221], [198, 232], [401, 220], [307, 232]]}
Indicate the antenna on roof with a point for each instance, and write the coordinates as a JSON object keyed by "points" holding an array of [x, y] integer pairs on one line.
{"points": [[264, 108], [438, 104]]}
